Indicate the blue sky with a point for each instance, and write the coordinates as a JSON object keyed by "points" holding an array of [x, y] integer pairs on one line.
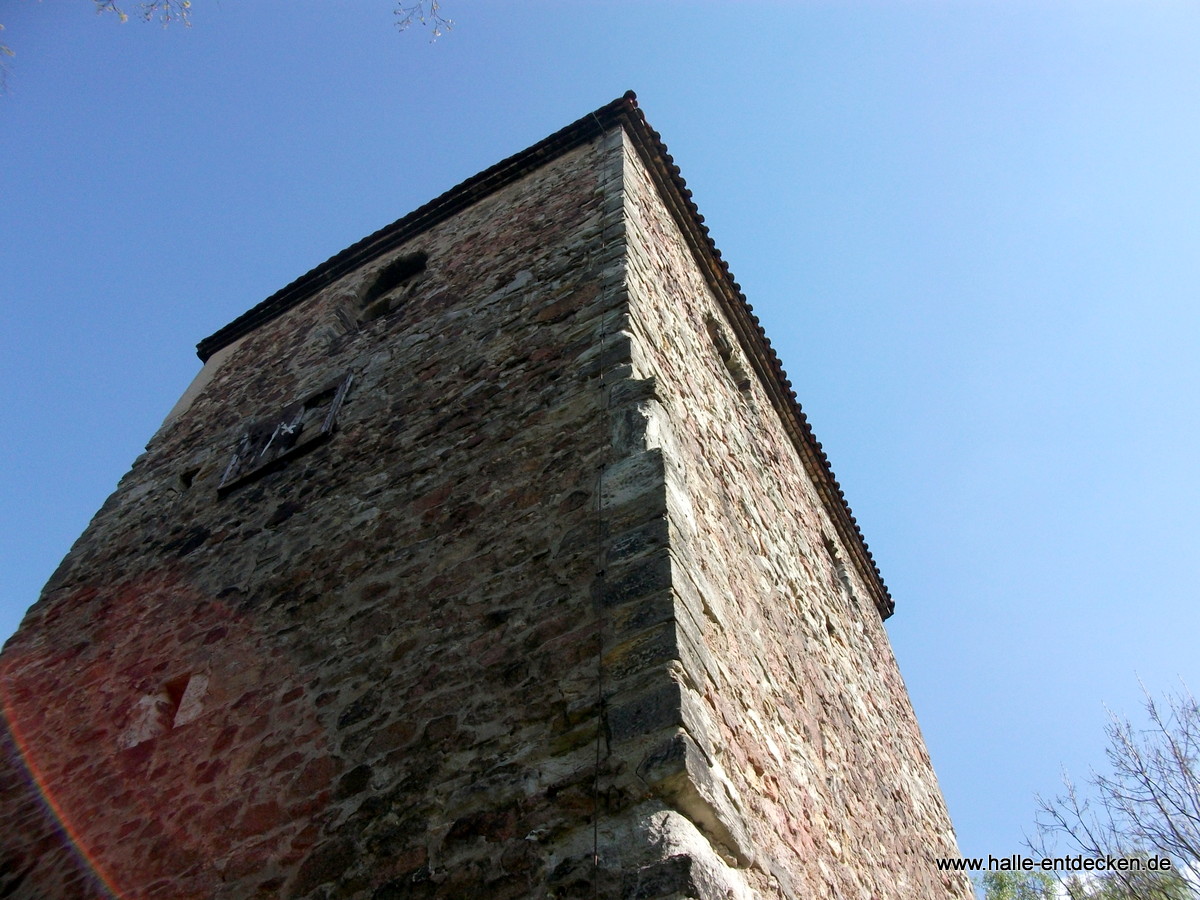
{"points": [[969, 228]]}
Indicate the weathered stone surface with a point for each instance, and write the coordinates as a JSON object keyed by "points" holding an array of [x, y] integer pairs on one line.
{"points": [[548, 606], [815, 749]]}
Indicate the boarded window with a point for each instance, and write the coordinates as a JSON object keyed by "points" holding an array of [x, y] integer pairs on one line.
{"points": [[268, 443]]}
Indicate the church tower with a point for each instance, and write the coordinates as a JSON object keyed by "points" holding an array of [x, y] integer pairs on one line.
{"points": [[493, 557]]}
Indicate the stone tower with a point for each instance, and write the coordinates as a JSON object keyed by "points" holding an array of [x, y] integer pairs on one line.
{"points": [[491, 558]]}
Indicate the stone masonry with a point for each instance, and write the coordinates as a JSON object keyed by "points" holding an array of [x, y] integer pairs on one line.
{"points": [[491, 558]]}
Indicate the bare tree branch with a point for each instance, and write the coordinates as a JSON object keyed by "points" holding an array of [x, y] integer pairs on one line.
{"points": [[164, 11], [1148, 805], [167, 12], [427, 13]]}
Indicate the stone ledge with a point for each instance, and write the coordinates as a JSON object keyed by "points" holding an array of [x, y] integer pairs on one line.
{"points": [[679, 772]]}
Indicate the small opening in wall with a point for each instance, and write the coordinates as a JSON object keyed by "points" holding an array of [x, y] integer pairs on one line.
{"points": [[186, 478], [383, 294], [176, 703], [725, 350], [840, 571], [175, 689]]}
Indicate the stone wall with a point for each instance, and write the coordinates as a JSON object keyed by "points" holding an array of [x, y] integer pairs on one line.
{"points": [[371, 671], [487, 569], [817, 774]]}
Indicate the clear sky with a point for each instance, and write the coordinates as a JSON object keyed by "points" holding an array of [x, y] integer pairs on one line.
{"points": [[969, 228]]}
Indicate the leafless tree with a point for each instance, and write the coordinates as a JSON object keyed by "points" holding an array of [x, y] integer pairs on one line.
{"points": [[1147, 806]]}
